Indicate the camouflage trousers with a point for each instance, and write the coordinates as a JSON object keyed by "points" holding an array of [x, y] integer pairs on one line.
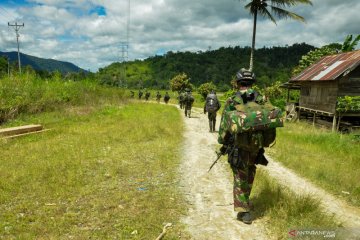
{"points": [[212, 121], [244, 171]]}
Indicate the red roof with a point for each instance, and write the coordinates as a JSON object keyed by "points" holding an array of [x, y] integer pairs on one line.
{"points": [[330, 67]]}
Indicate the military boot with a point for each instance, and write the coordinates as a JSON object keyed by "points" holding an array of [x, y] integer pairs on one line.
{"points": [[244, 217]]}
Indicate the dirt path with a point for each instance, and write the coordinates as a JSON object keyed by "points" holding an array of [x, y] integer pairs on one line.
{"points": [[209, 195], [348, 215]]}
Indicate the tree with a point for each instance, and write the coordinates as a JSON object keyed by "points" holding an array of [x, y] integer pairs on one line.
{"points": [[180, 82], [276, 7], [349, 44], [205, 88]]}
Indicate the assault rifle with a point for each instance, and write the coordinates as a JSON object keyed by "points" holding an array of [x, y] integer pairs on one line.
{"points": [[219, 154]]}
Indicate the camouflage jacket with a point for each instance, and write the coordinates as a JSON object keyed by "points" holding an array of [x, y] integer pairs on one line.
{"points": [[239, 98]]}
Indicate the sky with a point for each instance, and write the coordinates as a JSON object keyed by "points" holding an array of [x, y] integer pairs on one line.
{"points": [[94, 33]]}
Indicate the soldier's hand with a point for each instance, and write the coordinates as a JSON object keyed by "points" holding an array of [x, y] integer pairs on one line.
{"points": [[223, 149]]}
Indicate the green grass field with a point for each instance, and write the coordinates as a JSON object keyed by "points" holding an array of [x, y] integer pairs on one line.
{"points": [[284, 211], [106, 173], [330, 160]]}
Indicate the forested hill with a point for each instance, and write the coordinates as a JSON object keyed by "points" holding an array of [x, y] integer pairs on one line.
{"points": [[42, 64], [217, 66]]}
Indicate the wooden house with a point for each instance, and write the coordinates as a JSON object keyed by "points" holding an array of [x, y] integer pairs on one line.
{"points": [[322, 83]]}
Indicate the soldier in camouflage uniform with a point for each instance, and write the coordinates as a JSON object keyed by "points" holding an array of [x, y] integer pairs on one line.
{"points": [[140, 94], [242, 156], [158, 96]]}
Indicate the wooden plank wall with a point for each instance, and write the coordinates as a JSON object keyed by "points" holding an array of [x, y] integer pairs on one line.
{"points": [[350, 85], [322, 95]]}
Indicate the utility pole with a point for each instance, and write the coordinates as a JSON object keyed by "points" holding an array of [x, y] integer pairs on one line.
{"points": [[17, 28], [8, 66]]}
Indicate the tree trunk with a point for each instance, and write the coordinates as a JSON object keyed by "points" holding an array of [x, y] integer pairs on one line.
{"points": [[253, 43]]}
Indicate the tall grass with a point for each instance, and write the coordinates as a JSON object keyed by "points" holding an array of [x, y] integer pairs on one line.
{"points": [[331, 160], [284, 211], [106, 174], [28, 94]]}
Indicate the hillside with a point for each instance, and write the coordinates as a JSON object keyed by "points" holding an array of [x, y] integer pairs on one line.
{"points": [[217, 66], [42, 64]]}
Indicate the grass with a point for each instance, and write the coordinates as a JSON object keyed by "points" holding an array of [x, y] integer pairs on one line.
{"points": [[105, 173], [284, 211], [330, 160]]}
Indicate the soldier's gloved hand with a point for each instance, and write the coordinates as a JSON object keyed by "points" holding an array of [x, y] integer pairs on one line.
{"points": [[223, 149]]}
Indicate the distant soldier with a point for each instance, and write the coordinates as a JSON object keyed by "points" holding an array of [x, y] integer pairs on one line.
{"points": [[181, 100], [140, 94], [166, 97], [158, 96], [132, 94], [147, 95], [212, 105], [188, 102]]}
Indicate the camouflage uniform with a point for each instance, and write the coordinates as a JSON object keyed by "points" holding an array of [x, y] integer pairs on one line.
{"points": [[212, 115], [158, 96], [140, 94], [147, 95], [166, 97], [242, 158], [188, 102], [132, 94]]}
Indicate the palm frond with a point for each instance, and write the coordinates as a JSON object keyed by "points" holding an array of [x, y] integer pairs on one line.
{"points": [[355, 42], [265, 13], [289, 3], [282, 13]]}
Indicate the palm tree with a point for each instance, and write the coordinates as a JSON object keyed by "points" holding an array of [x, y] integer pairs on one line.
{"points": [[350, 44], [277, 8]]}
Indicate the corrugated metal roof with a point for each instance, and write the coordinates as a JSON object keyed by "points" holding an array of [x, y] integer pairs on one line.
{"points": [[330, 67]]}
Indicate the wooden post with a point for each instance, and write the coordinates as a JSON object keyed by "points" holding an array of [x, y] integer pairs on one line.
{"points": [[298, 118], [314, 117], [334, 123], [338, 124]]}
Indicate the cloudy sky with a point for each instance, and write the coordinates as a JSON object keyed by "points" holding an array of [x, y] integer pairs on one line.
{"points": [[91, 33]]}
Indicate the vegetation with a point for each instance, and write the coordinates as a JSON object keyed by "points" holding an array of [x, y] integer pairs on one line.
{"points": [[206, 88], [30, 94], [328, 159], [100, 173], [261, 7], [216, 66], [180, 82], [348, 104], [350, 44], [286, 211]]}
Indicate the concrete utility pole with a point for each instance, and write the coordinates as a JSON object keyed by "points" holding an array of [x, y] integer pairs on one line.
{"points": [[17, 28]]}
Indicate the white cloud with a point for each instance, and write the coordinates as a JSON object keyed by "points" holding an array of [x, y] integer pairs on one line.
{"points": [[70, 30]]}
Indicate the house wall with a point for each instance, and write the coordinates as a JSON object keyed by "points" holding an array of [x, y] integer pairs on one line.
{"points": [[350, 85], [321, 95]]}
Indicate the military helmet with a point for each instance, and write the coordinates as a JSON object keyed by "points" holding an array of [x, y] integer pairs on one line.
{"points": [[245, 77]]}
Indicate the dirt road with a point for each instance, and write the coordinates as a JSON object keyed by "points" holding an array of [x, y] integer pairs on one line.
{"points": [[209, 195]]}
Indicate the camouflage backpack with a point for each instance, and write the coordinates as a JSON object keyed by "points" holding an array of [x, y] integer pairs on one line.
{"points": [[252, 124]]}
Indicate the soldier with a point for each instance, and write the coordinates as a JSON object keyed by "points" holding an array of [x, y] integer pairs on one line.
{"points": [[181, 100], [147, 95], [140, 94], [243, 154], [158, 96], [188, 102], [166, 97], [212, 105], [132, 94]]}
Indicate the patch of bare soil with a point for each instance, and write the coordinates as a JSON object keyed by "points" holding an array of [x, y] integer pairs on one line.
{"points": [[209, 194]]}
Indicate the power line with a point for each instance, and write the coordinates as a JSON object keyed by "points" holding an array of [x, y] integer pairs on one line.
{"points": [[17, 28]]}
